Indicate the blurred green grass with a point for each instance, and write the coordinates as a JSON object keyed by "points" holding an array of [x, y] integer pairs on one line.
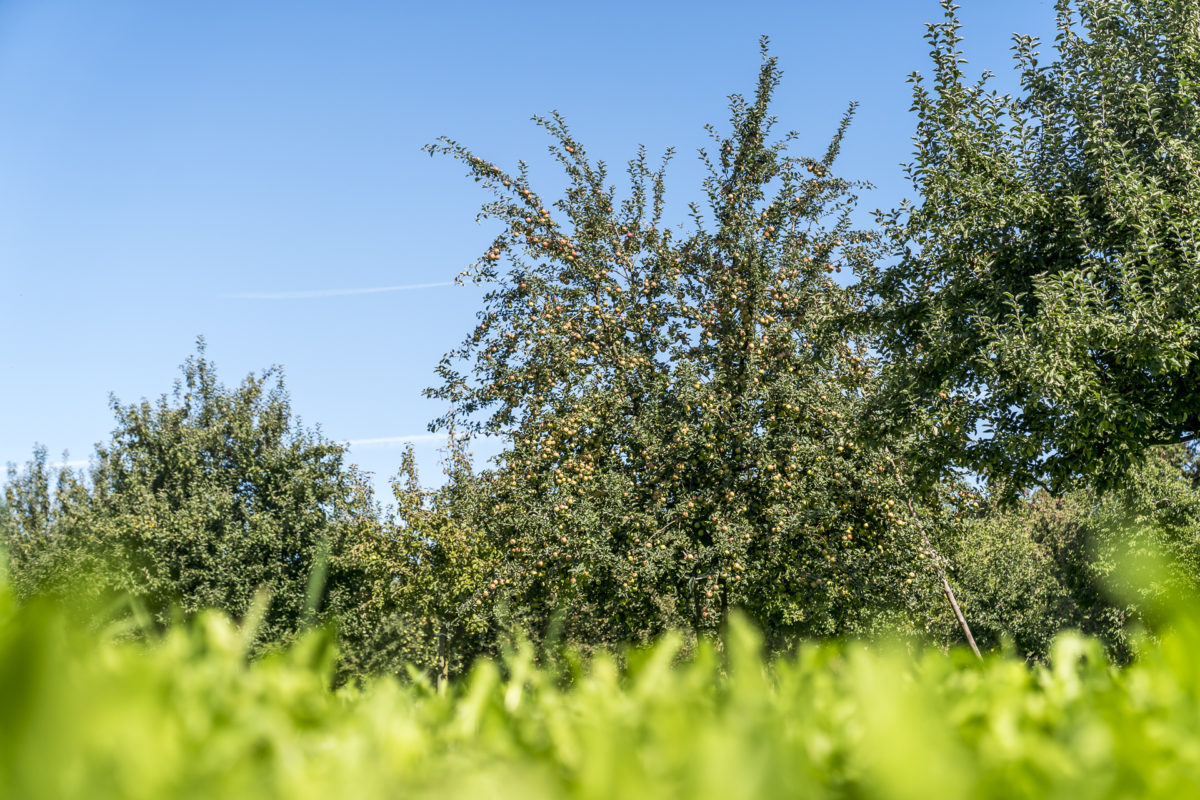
{"points": [[88, 713]]}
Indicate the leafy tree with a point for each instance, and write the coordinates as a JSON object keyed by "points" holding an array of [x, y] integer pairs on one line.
{"points": [[427, 574], [7, 530], [683, 412], [1050, 563], [200, 500], [1044, 300], [40, 508]]}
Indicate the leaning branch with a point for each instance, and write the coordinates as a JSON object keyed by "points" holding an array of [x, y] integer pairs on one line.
{"points": [[937, 561]]}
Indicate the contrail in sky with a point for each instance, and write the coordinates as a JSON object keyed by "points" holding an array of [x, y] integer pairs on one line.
{"points": [[333, 292], [415, 438]]}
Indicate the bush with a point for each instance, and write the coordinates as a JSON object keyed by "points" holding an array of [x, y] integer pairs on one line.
{"points": [[200, 500], [187, 714], [1048, 564]]}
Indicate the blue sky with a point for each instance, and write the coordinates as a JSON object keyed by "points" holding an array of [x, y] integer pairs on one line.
{"points": [[252, 172]]}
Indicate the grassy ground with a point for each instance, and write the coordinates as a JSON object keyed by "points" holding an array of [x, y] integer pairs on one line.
{"points": [[95, 715]]}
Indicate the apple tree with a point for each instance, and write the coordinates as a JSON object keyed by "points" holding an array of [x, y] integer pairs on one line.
{"points": [[683, 407], [1045, 296]]}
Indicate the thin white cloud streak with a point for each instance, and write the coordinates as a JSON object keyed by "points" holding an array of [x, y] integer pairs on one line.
{"points": [[416, 438], [334, 292]]}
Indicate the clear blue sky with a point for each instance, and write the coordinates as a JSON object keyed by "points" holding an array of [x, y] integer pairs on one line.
{"points": [[159, 159]]}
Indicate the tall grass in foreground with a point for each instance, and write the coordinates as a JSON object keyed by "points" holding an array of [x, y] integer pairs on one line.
{"points": [[89, 715]]}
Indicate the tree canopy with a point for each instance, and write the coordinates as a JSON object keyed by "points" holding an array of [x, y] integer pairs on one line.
{"points": [[1047, 284], [199, 500], [682, 412]]}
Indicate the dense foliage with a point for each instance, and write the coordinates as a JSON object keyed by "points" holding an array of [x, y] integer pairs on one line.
{"points": [[426, 574], [200, 500], [187, 715], [1048, 280], [683, 413], [1050, 563]]}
